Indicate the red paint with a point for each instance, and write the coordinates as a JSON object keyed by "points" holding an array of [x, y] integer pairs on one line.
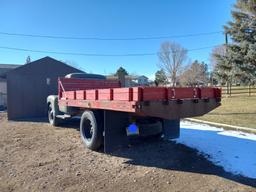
{"points": [[207, 92], [91, 94], [107, 94], [154, 93], [137, 94], [80, 95], [122, 94], [70, 94], [183, 93]]}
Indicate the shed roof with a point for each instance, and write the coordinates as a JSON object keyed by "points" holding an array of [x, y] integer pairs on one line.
{"points": [[43, 61]]}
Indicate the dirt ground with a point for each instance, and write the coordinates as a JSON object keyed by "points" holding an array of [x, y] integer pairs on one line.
{"points": [[37, 157]]}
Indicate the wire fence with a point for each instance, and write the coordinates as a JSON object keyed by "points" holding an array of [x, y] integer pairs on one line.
{"points": [[238, 91]]}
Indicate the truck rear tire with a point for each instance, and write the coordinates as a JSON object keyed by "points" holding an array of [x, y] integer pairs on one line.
{"points": [[53, 120], [91, 129]]}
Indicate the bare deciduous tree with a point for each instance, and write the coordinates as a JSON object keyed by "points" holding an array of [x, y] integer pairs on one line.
{"points": [[195, 74], [172, 56]]}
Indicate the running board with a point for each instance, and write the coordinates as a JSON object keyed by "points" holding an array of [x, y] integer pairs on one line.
{"points": [[65, 116]]}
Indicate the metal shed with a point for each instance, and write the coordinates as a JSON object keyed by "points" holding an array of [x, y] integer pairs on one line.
{"points": [[29, 85]]}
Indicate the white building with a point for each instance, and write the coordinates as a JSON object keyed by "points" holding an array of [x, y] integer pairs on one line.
{"points": [[4, 69], [133, 80]]}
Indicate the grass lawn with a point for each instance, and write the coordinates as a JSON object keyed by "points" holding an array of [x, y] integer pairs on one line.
{"points": [[239, 111]]}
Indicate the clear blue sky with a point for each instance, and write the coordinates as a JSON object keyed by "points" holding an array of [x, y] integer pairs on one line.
{"points": [[110, 19]]}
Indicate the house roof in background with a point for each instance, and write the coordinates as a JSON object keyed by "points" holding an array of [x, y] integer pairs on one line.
{"points": [[5, 68], [143, 76], [9, 66], [131, 77], [2, 79]]}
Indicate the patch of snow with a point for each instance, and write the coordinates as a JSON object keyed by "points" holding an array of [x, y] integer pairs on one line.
{"points": [[239, 134], [235, 151]]}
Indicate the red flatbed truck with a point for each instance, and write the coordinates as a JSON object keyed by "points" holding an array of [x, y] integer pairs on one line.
{"points": [[111, 113]]}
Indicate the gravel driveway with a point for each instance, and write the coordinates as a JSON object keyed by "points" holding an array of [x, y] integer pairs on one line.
{"points": [[37, 157]]}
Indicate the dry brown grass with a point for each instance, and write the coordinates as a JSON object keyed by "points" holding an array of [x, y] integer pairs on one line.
{"points": [[239, 111]]}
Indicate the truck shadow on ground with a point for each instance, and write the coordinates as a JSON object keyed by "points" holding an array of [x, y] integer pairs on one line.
{"points": [[172, 156], [169, 155]]}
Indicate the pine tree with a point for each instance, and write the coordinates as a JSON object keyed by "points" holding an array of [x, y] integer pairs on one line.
{"points": [[223, 69], [160, 78], [240, 59], [120, 71]]}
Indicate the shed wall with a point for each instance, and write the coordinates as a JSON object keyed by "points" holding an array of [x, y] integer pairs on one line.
{"points": [[28, 89]]}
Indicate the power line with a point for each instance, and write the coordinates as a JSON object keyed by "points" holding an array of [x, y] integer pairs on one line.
{"points": [[75, 53], [95, 54], [110, 39]]}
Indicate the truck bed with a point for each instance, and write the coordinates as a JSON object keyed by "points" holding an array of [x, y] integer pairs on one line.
{"points": [[162, 102]]}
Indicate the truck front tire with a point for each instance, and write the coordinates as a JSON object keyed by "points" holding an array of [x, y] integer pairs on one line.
{"points": [[53, 120], [91, 129]]}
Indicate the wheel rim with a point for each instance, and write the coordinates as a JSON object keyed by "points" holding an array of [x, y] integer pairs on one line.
{"points": [[87, 130]]}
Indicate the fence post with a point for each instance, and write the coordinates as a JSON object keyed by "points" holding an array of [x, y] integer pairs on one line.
{"points": [[227, 89], [230, 89]]}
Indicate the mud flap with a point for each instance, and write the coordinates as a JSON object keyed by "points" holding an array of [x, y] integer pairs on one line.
{"points": [[115, 124], [171, 129]]}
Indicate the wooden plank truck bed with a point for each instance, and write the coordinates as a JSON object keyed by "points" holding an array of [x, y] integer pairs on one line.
{"points": [[116, 109]]}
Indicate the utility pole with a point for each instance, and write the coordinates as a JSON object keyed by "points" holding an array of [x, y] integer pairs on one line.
{"points": [[226, 40], [229, 82]]}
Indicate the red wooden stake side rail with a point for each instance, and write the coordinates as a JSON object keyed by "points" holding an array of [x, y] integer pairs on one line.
{"points": [[107, 94]]}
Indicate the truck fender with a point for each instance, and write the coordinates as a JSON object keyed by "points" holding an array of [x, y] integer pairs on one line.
{"points": [[53, 100]]}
